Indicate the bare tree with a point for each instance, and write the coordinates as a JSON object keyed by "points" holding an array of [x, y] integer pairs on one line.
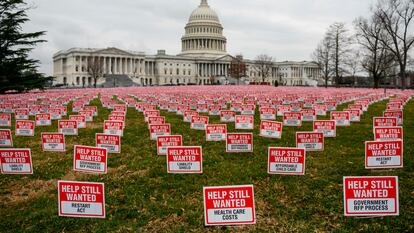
{"points": [[322, 57], [353, 64], [396, 17], [95, 68], [237, 68], [376, 58], [263, 65], [340, 40]]}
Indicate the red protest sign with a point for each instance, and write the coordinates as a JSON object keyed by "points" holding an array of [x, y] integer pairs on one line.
{"points": [[68, 127], [90, 159], [387, 154], [53, 142], [151, 113], [117, 118], [184, 159], [156, 120], [311, 141], [6, 138], [388, 133], [239, 142], [80, 119], [16, 161], [81, 199], [354, 114], [248, 109], [199, 122], [327, 127], [21, 114], [25, 128], [371, 196], [188, 114], [227, 116], [111, 142], [43, 119], [163, 142], [288, 161], [229, 205], [114, 127], [216, 132], [395, 113], [244, 122], [341, 118], [308, 115], [5, 119], [267, 113], [271, 129], [292, 119], [159, 130], [385, 122], [88, 115]]}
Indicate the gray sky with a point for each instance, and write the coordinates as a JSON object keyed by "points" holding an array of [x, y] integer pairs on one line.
{"points": [[284, 29]]}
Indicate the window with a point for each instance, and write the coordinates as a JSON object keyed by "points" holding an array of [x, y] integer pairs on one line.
{"points": [[64, 81], [77, 68], [77, 80], [178, 71], [165, 71]]}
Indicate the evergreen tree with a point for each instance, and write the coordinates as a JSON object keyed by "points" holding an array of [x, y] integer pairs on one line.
{"points": [[18, 72]]}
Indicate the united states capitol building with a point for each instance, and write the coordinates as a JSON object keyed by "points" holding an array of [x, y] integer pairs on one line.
{"points": [[203, 60]]}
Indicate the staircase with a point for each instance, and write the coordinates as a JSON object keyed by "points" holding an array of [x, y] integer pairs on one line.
{"points": [[117, 80]]}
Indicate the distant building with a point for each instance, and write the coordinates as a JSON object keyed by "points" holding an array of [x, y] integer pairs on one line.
{"points": [[203, 60]]}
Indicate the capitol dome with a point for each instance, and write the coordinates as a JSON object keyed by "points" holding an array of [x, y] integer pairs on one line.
{"points": [[203, 33]]}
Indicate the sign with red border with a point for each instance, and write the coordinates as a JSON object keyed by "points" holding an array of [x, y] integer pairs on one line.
{"points": [[388, 133], [308, 115], [188, 114], [16, 161], [239, 142], [163, 142], [395, 113], [385, 122], [199, 122], [6, 139], [327, 127], [25, 128], [81, 199], [229, 205], [81, 119], [90, 159], [286, 161], [341, 118], [5, 119], [159, 130], [311, 141], [114, 127], [227, 116], [371, 195], [292, 119], [184, 159], [53, 142], [111, 142], [388, 154], [244, 122], [43, 119], [68, 127], [216, 132], [268, 113], [271, 129]]}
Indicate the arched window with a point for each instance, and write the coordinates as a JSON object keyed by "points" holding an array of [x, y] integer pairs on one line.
{"points": [[65, 81], [89, 81], [83, 81], [77, 81]]}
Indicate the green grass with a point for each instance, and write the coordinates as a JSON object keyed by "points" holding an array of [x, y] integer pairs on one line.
{"points": [[141, 196]]}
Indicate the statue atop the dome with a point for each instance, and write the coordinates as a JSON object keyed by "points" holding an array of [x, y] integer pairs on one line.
{"points": [[203, 3]]}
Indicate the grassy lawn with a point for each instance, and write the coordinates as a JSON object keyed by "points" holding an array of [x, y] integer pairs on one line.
{"points": [[142, 197]]}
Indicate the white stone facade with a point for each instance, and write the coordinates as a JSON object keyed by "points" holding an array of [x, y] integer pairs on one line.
{"points": [[203, 60]]}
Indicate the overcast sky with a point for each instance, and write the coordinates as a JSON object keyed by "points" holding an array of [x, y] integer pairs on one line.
{"points": [[284, 29]]}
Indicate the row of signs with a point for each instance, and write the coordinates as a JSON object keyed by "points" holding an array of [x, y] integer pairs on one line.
{"points": [[235, 205]]}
